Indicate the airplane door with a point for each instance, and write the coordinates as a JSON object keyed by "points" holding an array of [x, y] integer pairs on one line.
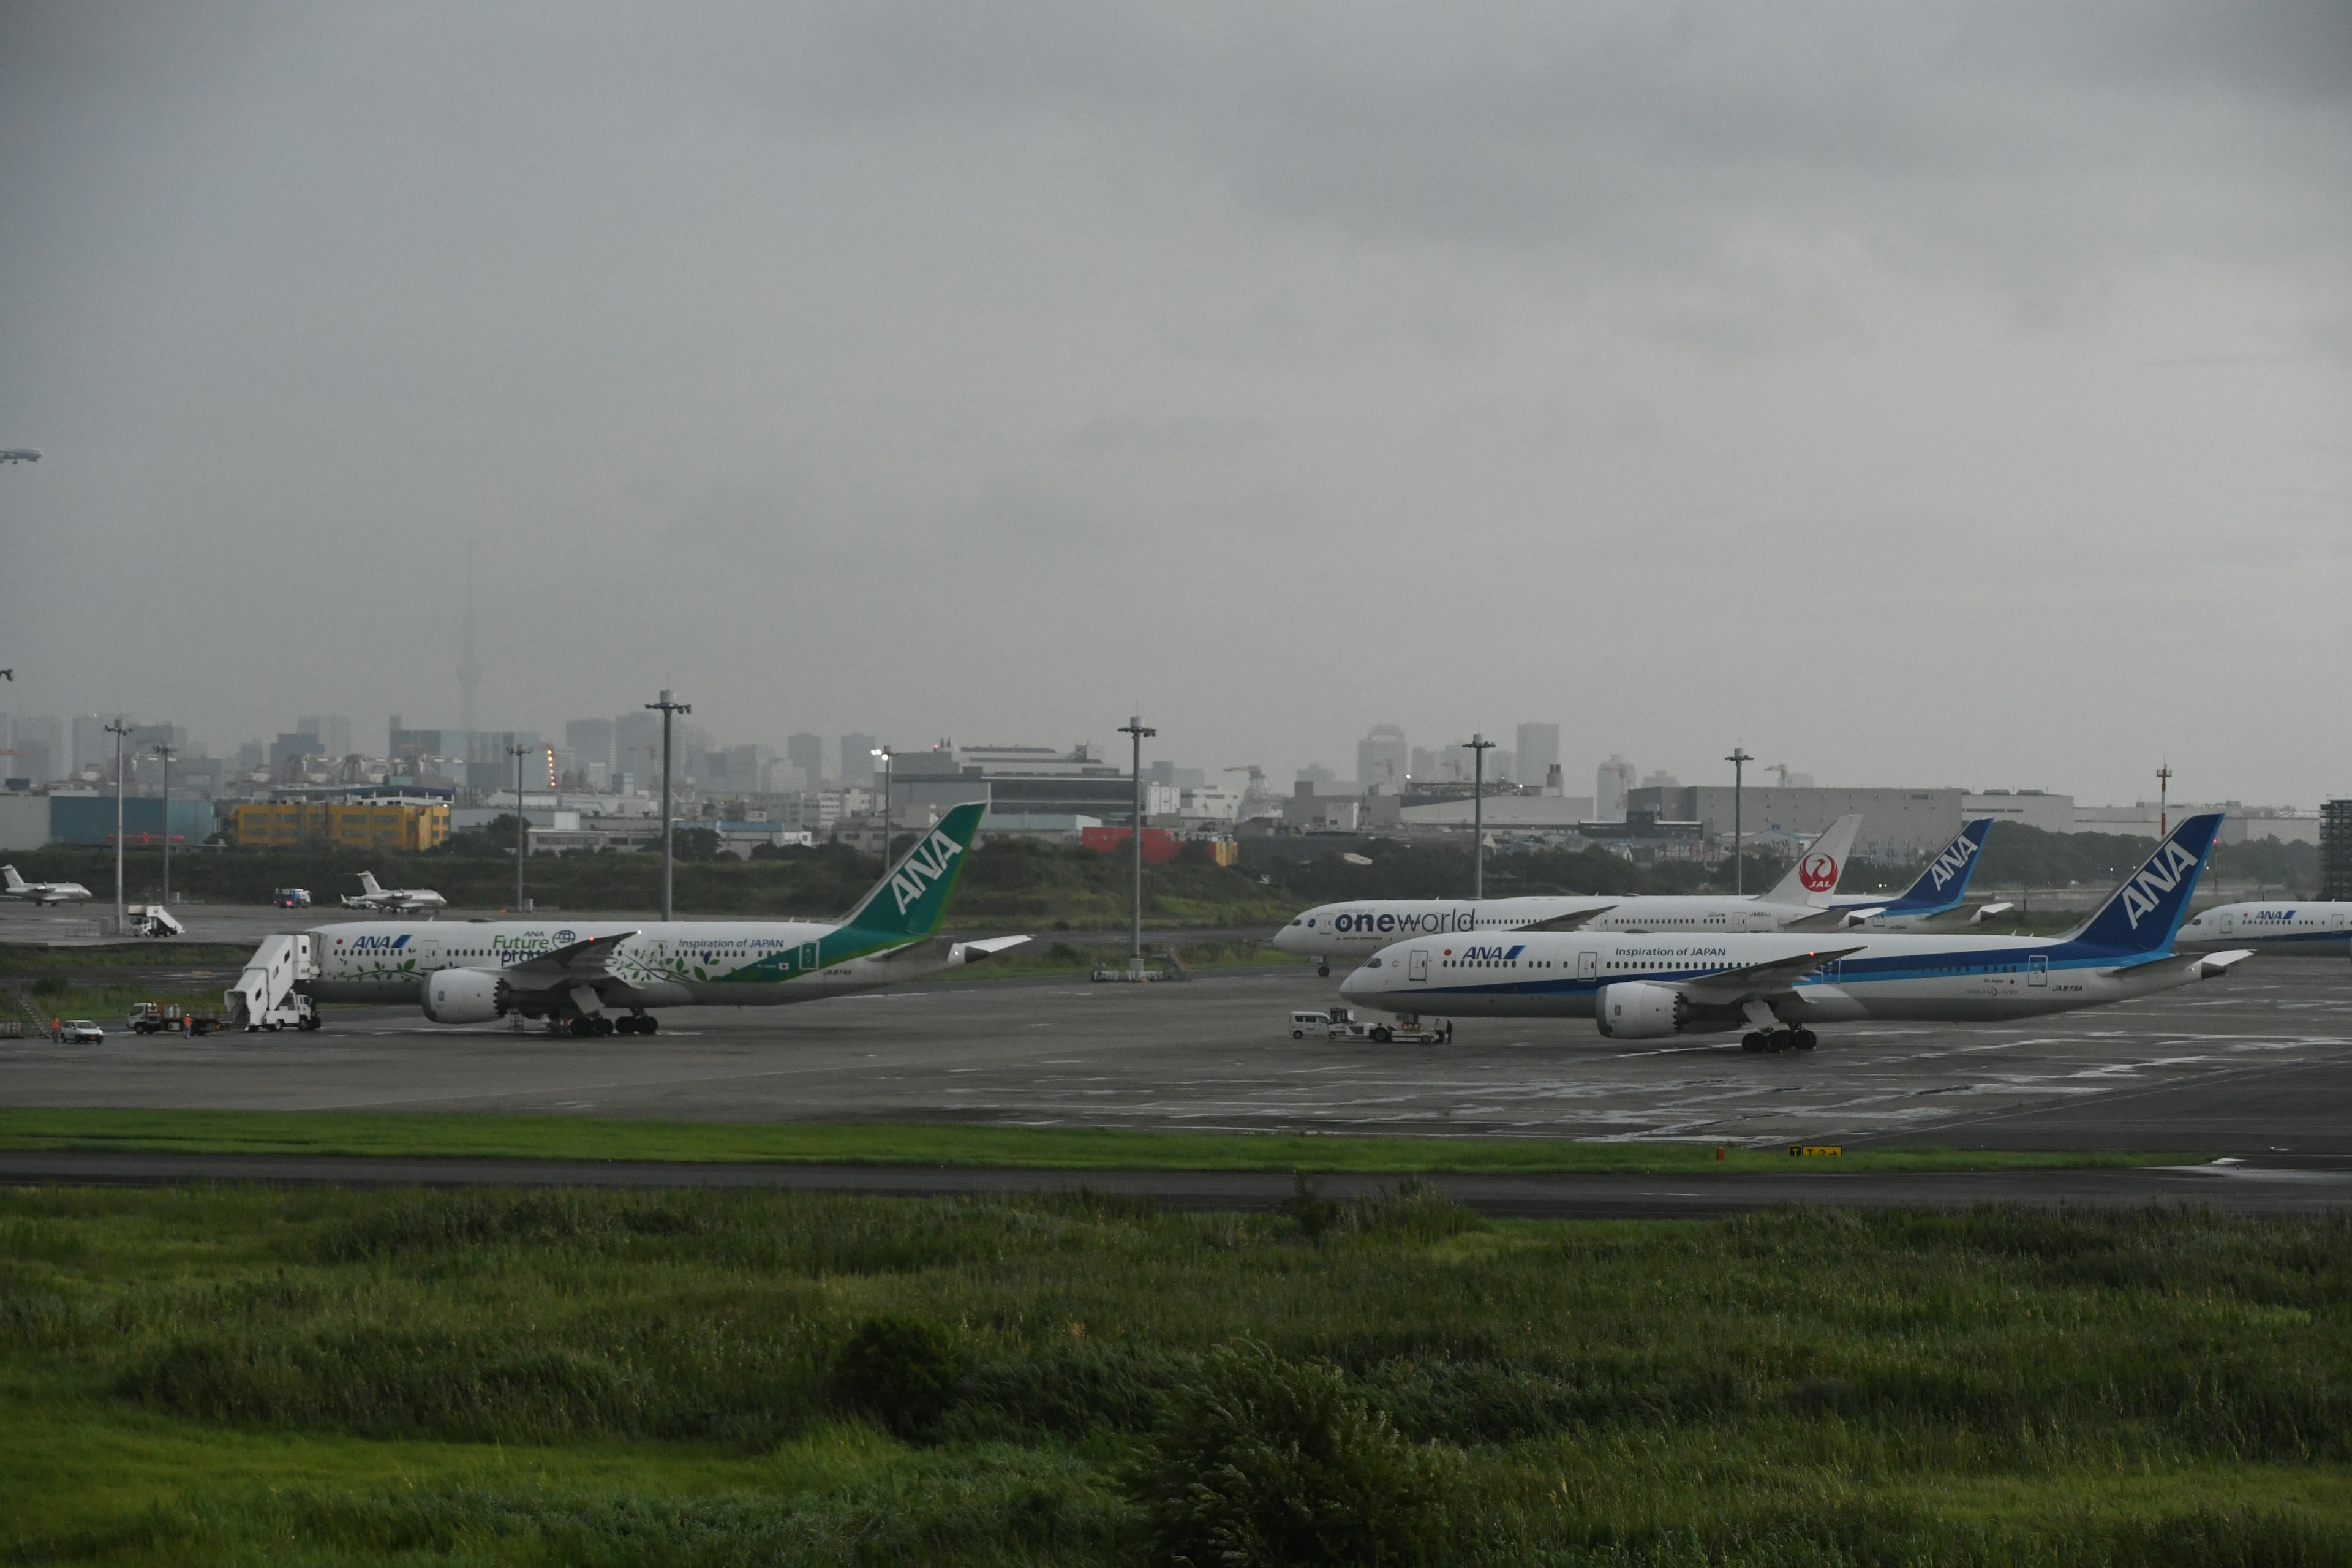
{"points": [[2229, 923], [2037, 970], [808, 955], [1417, 965], [1587, 965], [2336, 921]]}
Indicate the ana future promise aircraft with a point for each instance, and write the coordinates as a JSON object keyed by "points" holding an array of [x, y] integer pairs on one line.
{"points": [[2289, 929], [42, 893], [579, 976], [392, 900], [1778, 986], [1801, 899]]}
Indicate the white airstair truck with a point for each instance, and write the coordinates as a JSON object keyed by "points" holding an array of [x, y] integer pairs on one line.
{"points": [[269, 995]]}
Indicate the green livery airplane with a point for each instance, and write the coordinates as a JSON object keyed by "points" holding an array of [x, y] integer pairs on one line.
{"points": [[605, 978]]}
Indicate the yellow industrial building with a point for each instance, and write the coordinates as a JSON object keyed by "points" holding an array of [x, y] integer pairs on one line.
{"points": [[307, 824]]}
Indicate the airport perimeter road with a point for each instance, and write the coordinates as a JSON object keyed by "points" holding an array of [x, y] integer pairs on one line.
{"points": [[2244, 1189], [2255, 1066]]}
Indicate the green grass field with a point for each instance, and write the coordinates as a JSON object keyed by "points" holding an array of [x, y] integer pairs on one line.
{"points": [[916, 1143], [229, 1375]]}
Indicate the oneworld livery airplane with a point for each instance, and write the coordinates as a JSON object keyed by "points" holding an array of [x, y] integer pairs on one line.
{"points": [[2284, 927], [1776, 987], [607, 977], [1802, 899]]}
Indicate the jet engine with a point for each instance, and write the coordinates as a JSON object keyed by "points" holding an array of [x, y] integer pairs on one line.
{"points": [[1640, 1010], [464, 997]]}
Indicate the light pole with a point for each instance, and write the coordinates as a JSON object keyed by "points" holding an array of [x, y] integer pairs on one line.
{"points": [[1478, 746], [523, 832], [669, 711], [119, 729], [2163, 808], [1739, 759], [1136, 727], [165, 753], [887, 754]]}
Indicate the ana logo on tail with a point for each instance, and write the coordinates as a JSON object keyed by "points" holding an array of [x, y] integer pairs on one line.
{"points": [[918, 873], [1819, 873], [2161, 875], [1947, 865]]}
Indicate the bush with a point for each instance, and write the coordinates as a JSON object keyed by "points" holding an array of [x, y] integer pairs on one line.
{"points": [[901, 1372], [1260, 1460]]}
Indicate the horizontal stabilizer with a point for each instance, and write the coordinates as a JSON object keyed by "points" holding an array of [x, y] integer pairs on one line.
{"points": [[986, 948], [2213, 965]]}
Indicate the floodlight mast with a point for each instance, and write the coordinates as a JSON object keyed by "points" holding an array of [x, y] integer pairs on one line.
{"points": [[887, 756], [119, 729], [1136, 729], [1478, 746], [522, 833], [669, 710], [165, 753], [1739, 759]]}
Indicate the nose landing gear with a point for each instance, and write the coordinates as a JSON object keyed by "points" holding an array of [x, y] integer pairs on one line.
{"points": [[1323, 970]]}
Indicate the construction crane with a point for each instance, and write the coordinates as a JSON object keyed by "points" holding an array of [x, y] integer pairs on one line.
{"points": [[1780, 768], [1255, 792]]}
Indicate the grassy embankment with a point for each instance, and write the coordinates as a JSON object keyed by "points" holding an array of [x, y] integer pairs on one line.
{"points": [[910, 1143], [236, 1374]]}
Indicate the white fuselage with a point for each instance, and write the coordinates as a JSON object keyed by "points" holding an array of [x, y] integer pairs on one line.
{"points": [[1361, 928], [2284, 926], [45, 893], [730, 964], [1942, 979]]}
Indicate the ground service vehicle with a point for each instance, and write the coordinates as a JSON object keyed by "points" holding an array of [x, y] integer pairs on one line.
{"points": [[292, 897], [1343, 1023], [170, 1018]]}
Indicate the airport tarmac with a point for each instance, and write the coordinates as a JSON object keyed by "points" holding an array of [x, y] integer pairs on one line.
{"points": [[2257, 1065]]}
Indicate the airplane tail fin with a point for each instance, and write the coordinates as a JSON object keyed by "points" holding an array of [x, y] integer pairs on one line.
{"points": [[1945, 883], [2145, 913], [1815, 875], [16, 884], [913, 895], [368, 885]]}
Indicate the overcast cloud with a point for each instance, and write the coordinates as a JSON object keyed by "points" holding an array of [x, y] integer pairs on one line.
{"points": [[1918, 395]]}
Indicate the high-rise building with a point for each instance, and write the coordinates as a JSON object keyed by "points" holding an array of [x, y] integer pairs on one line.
{"points": [[806, 753], [335, 734], [591, 739], [637, 743], [1382, 757], [39, 745], [92, 746], [857, 766], [1538, 753], [1610, 788]]}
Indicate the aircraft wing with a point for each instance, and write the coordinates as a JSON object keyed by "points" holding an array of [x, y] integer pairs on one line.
{"points": [[565, 965], [1755, 981], [1576, 921]]}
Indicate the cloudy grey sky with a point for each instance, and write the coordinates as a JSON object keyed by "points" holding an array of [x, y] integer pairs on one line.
{"points": [[1923, 394]]}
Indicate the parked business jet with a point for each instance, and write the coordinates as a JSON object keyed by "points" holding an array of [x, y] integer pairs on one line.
{"points": [[1777, 987], [42, 893], [605, 978], [2287, 927], [392, 900]]}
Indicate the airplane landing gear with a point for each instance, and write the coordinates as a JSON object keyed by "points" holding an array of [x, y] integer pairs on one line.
{"points": [[1772, 1042], [1323, 971], [635, 1024]]}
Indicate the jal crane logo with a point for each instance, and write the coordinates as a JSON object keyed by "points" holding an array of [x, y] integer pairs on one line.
{"points": [[922, 867], [1818, 871]]}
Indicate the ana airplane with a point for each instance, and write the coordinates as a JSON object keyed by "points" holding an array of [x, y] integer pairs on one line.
{"points": [[1777, 987], [392, 900], [2287, 927], [43, 893], [1803, 899], [605, 978]]}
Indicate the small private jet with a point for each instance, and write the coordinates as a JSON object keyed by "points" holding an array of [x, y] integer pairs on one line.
{"points": [[392, 901], [43, 893]]}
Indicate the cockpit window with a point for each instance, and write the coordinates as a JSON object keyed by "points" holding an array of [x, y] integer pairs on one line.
{"points": [[1374, 965]]}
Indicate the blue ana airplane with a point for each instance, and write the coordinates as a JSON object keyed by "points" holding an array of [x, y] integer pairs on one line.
{"points": [[1801, 899], [2286, 928], [605, 978], [42, 893], [1776, 987]]}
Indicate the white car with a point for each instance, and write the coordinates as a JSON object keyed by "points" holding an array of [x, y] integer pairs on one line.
{"points": [[80, 1032]]}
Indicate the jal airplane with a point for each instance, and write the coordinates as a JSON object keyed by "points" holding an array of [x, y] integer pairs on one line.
{"points": [[42, 893], [2286, 928], [608, 977], [392, 900], [1777, 987], [1804, 897]]}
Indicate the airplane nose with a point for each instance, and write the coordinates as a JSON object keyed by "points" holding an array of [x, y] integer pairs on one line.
{"points": [[1358, 985], [1284, 940]]}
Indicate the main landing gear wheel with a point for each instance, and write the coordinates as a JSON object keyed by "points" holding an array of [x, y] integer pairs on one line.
{"points": [[601, 1024], [581, 1028], [1804, 1039], [1754, 1043], [635, 1024]]}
